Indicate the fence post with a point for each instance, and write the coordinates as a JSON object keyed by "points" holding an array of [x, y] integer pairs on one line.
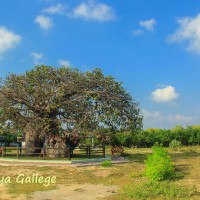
{"points": [[69, 154], [17, 152], [104, 151], [2, 152], [20, 151], [86, 151], [44, 153], [89, 148]]}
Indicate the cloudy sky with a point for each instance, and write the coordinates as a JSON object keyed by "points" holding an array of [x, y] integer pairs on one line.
{"points": [[152, 46]]}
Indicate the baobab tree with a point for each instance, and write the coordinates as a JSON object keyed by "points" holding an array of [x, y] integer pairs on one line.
{"points": [[46, 100]]}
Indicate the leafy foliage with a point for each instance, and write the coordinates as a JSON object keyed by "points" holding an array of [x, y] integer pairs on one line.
{"points": [[158, 165], [187, 136], [106, 163], [7, 137], [123, 139], [46, 100], [174, 144]]}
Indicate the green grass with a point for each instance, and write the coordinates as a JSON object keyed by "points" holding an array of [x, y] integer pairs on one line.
{"points": [[153, 190], [106, 163]]}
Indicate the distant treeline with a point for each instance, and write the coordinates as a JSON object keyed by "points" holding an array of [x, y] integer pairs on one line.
{"points": [[147, 138], [7, 138]]}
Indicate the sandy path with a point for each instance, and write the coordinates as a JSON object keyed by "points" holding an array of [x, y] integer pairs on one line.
{"points": [[65, 192], [76, 192]]}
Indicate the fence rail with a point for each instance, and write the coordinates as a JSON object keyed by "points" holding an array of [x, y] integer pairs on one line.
{"points": [[49, 153]]}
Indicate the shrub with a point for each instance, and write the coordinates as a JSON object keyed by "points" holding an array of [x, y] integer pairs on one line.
{"points": [[106, 163], [158, 165], [123, 139], [174, 144]]}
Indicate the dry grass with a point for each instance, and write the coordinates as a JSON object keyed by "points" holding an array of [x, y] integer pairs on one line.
{"points": [[186, 160]]}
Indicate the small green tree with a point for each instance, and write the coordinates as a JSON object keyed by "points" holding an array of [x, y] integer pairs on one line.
{"points": [[158, 165]]}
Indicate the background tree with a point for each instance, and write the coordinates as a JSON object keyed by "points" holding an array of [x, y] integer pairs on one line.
{"points": [[46, 100]]}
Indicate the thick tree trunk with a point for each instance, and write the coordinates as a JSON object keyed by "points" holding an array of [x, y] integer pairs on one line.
{"points": [[55, 144], [33, 142], [55, 147], [58, 146]]}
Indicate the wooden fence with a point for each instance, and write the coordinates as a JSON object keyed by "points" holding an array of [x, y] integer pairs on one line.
{"points": [[78, 152]]}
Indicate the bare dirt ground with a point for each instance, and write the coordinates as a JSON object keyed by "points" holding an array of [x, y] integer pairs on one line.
{"points": [[65, 192], [76, 192], [88, 182], [4, 195], [72, 191]]}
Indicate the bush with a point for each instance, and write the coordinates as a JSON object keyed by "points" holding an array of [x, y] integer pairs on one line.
{"points": [[106, 163], [174, 144], [123, 139], [158, 165]]}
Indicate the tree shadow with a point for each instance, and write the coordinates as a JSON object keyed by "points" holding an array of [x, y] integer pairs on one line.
{"points": [[137, 157], [181, 171], [185, 155]]}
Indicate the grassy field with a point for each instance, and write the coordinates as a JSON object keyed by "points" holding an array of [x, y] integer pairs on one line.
{"points": [[128, 178]]}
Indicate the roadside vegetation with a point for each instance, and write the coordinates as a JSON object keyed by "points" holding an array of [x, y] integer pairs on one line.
{"points": [[175, 137]]}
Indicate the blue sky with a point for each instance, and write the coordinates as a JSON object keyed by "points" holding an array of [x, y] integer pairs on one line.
{"points": [[152, 46]]}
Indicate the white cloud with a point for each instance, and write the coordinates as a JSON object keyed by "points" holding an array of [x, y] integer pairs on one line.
{"points": [[8, 39], [188, 31], [183, 118], [151, 115], [148, 24], [91, 10], [65, 63], [155, 119], [56, 9], [166, 94], [44, 22], [36, 57], [138, 32]]}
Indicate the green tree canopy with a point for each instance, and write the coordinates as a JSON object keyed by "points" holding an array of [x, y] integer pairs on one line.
{"points": [[47, 99]]}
